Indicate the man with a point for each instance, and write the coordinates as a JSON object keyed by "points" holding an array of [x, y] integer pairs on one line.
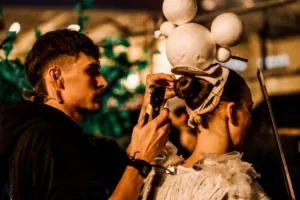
{"points": [[41, 143]]}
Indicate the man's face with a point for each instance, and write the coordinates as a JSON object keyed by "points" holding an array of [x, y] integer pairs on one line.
{"points": [[83, 84]]}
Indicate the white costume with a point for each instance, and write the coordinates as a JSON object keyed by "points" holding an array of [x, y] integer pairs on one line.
{"points": [[214, 177], [191, 49]]}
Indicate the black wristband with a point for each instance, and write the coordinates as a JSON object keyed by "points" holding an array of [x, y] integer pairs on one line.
{"points": [[142, 166]]}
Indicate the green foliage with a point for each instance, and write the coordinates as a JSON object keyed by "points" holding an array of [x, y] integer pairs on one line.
{"points": [[1, 13], [80, 8], [8, 42], [157, 52], [85, 4], [12, 80], [37, 33], [12, 72], [80, 21], [142, 64]]}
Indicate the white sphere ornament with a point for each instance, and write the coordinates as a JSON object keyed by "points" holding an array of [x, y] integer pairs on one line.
{"points": [[223, 54], [227, 29], [167, 28], [179, 11], [190, 48]]}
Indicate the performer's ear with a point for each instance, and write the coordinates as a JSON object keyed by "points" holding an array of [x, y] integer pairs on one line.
{"points": [[231, 112]]}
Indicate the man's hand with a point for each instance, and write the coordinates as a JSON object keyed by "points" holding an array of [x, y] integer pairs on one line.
{"points": [[149, 139], [146, 141], [166, 80]]}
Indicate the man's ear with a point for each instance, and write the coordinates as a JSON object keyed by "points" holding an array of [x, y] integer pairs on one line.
{"points": [[56, 77], [231, 113]]}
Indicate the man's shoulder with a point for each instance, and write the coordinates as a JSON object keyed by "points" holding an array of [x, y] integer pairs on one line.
{"points": [[51, 132], [52, 127]]}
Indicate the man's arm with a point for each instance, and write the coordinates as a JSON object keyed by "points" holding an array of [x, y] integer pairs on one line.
{"points": [[147, 141], [129, 185]]}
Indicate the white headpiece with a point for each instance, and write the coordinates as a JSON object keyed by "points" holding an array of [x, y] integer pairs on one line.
{"points": [[191, 48], [217, 76]]}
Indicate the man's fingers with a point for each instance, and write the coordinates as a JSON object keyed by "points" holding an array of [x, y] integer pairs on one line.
{"points": [[162, 117], [165, 129], [159, 120], [152, 78], [141, 118], [167, 121], [166, 80], [170, 86], [170, 94], [166, 139]]}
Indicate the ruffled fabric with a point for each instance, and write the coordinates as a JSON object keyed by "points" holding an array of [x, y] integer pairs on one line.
{"points": [[213, 177]]}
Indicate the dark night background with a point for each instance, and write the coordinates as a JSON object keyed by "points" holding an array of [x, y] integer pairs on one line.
{"points": [[117, 4]]}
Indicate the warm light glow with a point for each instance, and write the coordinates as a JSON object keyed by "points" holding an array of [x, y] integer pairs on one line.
{"points": [[74, 27], [274, 61], [131, 82], [160, 61], [234, 64], [15, 27], [209, 4]]}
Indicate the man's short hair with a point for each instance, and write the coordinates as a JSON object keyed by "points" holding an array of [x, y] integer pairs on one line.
{"points": [[50, 47]]}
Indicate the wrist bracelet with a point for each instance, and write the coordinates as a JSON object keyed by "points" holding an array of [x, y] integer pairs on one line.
{"points": [[143, 167]]}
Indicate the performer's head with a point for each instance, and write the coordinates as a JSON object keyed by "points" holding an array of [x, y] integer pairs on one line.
{"points": [[233, 107], [63, 67]]}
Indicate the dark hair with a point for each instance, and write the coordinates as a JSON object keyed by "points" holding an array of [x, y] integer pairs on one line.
{"points": [[195, 90], [48, 48], [179, 111]]}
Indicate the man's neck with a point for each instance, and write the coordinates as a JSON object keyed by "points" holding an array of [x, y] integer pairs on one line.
{"points": [[72, 113]]}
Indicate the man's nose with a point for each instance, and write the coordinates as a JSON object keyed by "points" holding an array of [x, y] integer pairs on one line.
{"points": [[101, 82]]}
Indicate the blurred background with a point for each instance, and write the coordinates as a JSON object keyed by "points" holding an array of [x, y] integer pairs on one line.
{"points": [[124, 31]]}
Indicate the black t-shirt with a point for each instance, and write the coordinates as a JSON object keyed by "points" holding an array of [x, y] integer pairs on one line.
{"points": [[53, 159]]}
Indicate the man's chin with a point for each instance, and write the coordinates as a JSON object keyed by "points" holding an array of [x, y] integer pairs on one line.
{"points": [[88, 111]]}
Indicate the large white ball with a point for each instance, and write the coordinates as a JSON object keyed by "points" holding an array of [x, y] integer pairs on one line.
{"points": [[227, 29], [167, 28], [190, 46], [223, 54], [179, 11]]}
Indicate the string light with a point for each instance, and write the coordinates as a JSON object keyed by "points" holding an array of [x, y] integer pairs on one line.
{"points": [[15, 27], [74, 27], [131, 82]]}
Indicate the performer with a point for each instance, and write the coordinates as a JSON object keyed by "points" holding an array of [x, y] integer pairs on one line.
{"points": [[218, 102], [221, 116]]}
